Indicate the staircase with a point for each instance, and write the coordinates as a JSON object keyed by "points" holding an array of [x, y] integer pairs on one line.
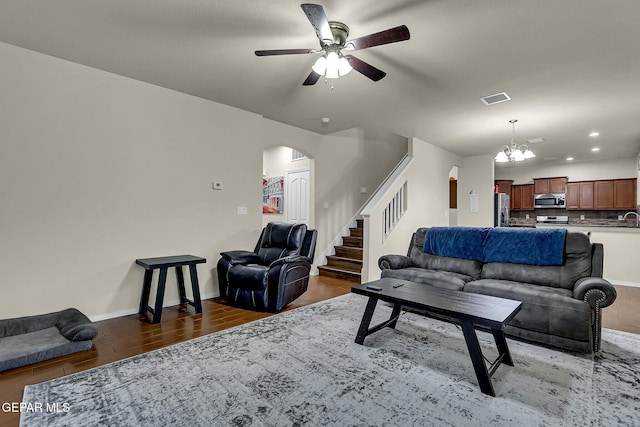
{"points": [[346, 264]]}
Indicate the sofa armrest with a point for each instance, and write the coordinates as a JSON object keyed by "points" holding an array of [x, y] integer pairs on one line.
{"points": [[596, 291], [395, 262], [75, 326], [240, 257]]}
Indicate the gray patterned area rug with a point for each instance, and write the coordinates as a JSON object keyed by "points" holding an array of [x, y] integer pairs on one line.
{"points": [[302, 367]]}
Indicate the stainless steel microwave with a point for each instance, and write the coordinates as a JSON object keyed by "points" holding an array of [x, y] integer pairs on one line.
{"points": [[549, 200]]}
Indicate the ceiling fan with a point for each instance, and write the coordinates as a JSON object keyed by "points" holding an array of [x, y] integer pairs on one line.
{"points": [[333, 40]]}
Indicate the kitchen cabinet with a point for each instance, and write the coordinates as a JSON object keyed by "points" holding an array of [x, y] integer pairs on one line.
{"points": [[504, 185], [606, 194], [603, 194], [579, 195], [522, 197], [624, 193], [527, 197], [550, 185]]}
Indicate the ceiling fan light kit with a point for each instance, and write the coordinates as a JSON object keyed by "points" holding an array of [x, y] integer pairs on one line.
{"points": [[513, 152], [332, 36]]}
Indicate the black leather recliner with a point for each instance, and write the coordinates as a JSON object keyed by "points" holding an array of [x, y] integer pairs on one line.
{"points": [[275, 273]]}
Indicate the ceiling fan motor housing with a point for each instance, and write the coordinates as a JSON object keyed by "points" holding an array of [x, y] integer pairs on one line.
{"points": [[340, 32]]}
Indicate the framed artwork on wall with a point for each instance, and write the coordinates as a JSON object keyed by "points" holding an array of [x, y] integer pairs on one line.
{"points": [[273, 195]]}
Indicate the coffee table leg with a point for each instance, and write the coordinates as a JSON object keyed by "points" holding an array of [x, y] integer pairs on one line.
{"points": [[366, 320], [476, 357], [501, 345], [394, 315]]}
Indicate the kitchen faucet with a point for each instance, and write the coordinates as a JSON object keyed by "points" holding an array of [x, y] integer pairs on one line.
{"points": [[637, 217]]}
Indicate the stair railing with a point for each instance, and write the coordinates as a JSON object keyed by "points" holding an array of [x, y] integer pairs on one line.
{"points": [[382, 213]]}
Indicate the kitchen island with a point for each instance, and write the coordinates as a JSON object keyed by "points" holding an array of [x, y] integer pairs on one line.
{"points": [[621, 250]]}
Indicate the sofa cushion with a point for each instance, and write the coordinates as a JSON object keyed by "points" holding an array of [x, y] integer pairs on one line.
{"points": [[422, 259], [438, 279], [577, 265], [545, 309]]}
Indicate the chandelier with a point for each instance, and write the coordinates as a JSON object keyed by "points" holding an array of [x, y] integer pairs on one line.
{"points": [[513, 152]]}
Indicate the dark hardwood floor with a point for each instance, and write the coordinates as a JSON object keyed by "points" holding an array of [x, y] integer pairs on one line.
{"points": [[127, 336]]}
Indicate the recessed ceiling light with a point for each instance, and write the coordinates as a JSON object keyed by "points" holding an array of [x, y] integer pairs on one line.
{"points": [[569, 158], [550, 158], [595, 149], [594, 134]]}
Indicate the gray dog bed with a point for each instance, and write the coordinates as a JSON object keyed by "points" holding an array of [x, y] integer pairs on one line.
{"points": [[31, 339]]}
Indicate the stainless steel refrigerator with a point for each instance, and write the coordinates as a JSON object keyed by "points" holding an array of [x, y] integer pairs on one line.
{"points": [[501, 210]]}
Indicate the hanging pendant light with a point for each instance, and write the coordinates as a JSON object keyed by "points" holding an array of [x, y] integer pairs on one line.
{"points": [[513, 152]]}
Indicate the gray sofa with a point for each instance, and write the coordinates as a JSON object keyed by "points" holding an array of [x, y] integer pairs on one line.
{"points": [[31, 339], [561, 303]]}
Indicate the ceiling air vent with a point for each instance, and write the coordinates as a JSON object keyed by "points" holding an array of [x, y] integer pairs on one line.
{"points": [[495, 98]]}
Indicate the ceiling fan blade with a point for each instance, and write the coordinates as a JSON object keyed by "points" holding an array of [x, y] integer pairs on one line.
{"points": [[312, 79], [283, 52], [318, 19], [365, 69], [391, 35]]}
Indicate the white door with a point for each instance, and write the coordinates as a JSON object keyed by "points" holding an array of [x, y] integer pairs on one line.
{"points": [[298, 196]]}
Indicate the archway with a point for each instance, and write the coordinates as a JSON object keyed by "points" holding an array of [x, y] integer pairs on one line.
{"points": [[288, 186]]}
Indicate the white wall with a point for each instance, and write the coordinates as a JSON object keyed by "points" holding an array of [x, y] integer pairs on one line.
{"points": [[585, 171], [97, 170], [427, 203], [475, 174]]}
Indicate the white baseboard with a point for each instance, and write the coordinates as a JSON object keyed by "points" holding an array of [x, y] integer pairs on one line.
{"points": [[623, 283], [128, 312]]}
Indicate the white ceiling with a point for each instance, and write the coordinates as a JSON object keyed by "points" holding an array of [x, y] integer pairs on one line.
{"points": [[570, 66]]}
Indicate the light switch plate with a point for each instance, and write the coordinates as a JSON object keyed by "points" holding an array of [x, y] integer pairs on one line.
{"points": [[242, 210]]}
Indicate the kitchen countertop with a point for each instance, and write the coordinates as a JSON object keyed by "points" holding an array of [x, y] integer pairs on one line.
{"points": [[594, 227], [597, 223]]}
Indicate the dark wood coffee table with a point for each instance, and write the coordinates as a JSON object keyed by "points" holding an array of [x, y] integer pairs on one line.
{"points": [[465, 308]]}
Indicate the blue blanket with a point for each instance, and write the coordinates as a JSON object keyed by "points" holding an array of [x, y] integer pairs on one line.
{"points": [[533, 246], [456, 242]]}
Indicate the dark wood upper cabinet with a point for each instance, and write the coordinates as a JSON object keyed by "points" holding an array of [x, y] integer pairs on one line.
{"points": [[522, 197], [603, 194], [550, 185], [504, 185], [580, 195], [516, 197], [624, 193], [586, 195], [527, 197]]}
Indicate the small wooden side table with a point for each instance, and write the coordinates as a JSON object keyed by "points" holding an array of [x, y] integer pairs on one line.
{"points": [[163, 263]]}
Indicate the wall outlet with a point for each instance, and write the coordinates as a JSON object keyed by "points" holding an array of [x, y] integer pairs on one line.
{"points": [[527, 216], [242, 210], [582, 217], [619, 217], [217, 185], [325, 205]]}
